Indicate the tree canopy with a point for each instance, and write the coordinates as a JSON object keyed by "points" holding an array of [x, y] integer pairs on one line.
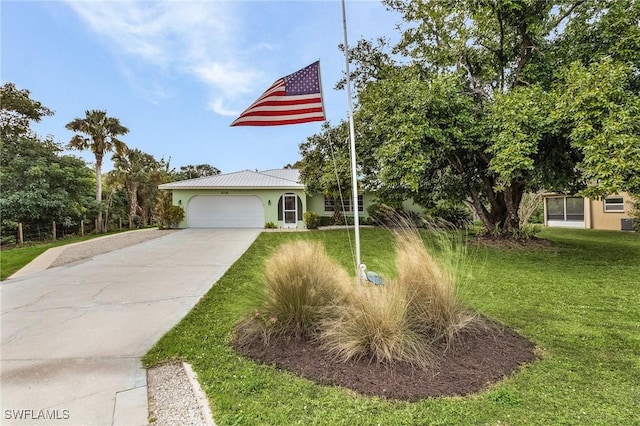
{"points": [[38, 183], [485, 100], [191, 171], [19, 111]]}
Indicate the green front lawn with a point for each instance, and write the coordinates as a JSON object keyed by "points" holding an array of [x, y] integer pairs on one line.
{"points": [[578, 300]]}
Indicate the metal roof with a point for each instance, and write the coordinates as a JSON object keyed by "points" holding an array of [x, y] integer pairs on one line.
{"points": [[246, 179]]}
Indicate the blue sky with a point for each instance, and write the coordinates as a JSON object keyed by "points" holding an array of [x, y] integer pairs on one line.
{"points": [[177, 73]]}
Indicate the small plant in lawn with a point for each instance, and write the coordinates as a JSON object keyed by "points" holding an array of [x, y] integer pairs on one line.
{"points": [[526, 231]]}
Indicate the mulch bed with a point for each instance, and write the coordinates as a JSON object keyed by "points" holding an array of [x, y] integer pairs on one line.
{"points": [[510, 243], [473, 364]]}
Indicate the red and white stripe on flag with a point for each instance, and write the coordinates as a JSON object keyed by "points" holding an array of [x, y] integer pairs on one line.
{"points": [[294, 99]]}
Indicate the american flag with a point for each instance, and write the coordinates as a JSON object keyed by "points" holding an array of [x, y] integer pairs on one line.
{"points": [[294, 99]]}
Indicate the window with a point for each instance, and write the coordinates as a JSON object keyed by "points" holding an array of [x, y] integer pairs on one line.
{"points": [[568, 209], [330, 204], [613, 204], [555, 208], [575, 208]]}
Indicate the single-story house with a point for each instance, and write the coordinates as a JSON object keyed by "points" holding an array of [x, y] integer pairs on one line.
{"points": [[251, 199], [612, 212]]}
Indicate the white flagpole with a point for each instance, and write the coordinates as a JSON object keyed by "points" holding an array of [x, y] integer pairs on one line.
{"points": [[354, 180]]}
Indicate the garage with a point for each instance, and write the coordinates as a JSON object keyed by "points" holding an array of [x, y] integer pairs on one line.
{"points": [[225, 211]]}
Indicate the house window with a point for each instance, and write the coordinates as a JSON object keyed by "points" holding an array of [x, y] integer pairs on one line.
{"points": [[330, 204], [575, 209], [555, 208], [613, 204], [567, 209]]}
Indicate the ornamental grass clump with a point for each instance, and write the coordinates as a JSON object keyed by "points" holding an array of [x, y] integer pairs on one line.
{"points": [[430, 286], [307, 295], [375, 324], [303, 286], [400, 320]]}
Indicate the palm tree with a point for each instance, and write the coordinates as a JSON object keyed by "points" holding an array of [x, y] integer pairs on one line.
{"points": [[101, 137], [136, 170]]}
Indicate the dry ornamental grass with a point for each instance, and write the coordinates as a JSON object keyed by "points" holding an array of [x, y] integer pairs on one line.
{"points": [[307, 295]]}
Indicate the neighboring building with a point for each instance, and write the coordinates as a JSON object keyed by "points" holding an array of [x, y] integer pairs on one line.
{"points": [[250, 199], [612, 212]]}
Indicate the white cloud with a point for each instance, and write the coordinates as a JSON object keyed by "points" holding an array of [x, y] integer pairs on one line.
{"points": [[224, 76], [216, 106], [195, 38]]}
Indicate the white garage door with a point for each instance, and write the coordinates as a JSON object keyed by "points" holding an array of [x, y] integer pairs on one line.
{"points": [[225, 211]]}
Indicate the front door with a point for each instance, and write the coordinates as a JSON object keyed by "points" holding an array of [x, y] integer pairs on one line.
{"points": [[290, 210]]}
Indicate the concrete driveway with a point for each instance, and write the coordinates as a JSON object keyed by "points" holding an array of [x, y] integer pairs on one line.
{"points": [[73, 336]]}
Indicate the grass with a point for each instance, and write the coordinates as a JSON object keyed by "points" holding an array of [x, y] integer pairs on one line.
{"points": [[577, 300], [12, 260], [302, 286], [399, 320], [307, 294]]}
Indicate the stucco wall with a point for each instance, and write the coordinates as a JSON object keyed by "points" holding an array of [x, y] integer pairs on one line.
{"points": [[608, 220], [270, 197]]}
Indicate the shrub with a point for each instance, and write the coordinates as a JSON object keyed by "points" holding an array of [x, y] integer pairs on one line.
{"points": [[311, 220], [378, 212], [8, 240], [385, 215], [326, 221], [270, 225], [173, 217], [526, 231], [167, 215], [453, 215], [303, 285]]}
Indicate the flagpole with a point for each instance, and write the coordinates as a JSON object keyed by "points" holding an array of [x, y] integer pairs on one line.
{"points": [[354, 180]]}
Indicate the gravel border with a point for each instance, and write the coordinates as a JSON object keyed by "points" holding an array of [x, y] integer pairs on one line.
{"points": [[175, 396]]}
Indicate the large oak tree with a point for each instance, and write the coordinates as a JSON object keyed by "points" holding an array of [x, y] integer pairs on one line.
{"points": [[483, 100]]}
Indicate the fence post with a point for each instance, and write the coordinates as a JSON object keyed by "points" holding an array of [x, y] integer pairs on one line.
{"points": [[20, 235], [82, 228], [54, 230]]}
